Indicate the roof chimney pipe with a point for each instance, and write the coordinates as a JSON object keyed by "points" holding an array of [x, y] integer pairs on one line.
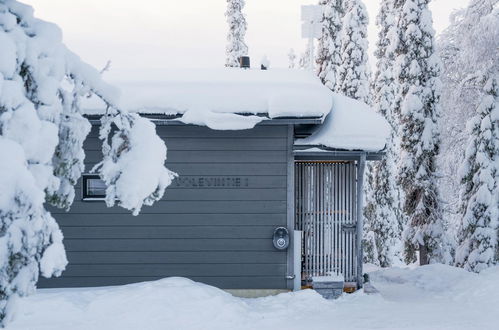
{"points": [[244, 62]]}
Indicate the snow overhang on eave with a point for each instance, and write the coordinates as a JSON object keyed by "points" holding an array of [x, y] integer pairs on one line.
{"points": [[323, 153], [162, 120]]}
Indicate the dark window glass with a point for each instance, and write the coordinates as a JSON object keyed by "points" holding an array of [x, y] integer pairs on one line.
{"points": [[93, 187]]}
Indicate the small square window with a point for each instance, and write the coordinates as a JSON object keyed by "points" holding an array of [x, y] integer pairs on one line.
{"points": [[93, 187]]}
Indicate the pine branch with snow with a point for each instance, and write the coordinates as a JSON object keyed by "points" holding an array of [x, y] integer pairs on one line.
{"points": [[131, 149], [353, 73], [236, 47], [69, 155], [328, 52]]}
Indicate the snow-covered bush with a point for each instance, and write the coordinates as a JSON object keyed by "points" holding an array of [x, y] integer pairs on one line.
{"points": [[41, 136], [236, 47]]}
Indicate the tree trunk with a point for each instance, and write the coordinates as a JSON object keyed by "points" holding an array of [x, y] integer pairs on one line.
{"points": [[423, 255]]}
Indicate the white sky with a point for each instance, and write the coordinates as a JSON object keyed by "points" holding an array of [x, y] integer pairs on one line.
{"points": [[187, 33]]}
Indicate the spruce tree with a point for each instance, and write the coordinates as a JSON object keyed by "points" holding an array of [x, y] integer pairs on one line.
{"points": [[353, 72], [479, 229], [417, 69], [42, 130], [328, 53], [236, 47], [382, 226], [304, 60], [468, 48]]}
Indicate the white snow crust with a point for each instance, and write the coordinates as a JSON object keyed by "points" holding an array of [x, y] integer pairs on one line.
{"points": [[351, 125], [225, 99], [429, 297]]}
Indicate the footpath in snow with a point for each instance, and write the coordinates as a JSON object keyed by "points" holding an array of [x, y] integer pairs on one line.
{"points": [[429, 297]]}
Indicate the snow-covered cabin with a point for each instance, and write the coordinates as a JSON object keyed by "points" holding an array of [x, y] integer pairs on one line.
{"points": [[258, 153]]}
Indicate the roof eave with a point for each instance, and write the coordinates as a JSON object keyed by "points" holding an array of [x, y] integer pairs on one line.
{"points": [[162, 120], [334, 154]]}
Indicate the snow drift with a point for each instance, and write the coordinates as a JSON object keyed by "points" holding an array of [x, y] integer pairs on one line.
{"points": [[447, 297]]}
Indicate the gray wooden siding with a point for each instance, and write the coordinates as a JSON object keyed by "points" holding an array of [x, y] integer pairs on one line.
{"points": [[214, 224]]}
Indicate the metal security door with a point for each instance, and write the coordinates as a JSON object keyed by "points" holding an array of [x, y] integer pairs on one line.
{"points": [[325, 200]]}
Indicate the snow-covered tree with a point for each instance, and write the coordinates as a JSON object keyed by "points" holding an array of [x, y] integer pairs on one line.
{"points": [[417, 69], [292, 59], [328, 49], [236, 47], [468, 48], [353, 72], [41, 135], [382, 211], [304, 61], [479, 229]]}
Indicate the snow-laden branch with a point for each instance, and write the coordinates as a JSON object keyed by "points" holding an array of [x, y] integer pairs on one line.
{"points": [[133, 162]]}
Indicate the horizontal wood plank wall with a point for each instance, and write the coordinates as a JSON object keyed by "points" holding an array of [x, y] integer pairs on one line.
{"points": [[214, 224]]}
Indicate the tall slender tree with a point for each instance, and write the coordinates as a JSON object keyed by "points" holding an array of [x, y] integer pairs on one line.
{"points": [[417, 69], [353, 72], [479, 229], [382, 212], [328, 52], [236, 47], [468, 48], [473, 40]]}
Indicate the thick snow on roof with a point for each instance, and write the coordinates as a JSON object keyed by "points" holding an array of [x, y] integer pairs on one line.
{"points": [[351, 125], [234, 99], [217, 97]]}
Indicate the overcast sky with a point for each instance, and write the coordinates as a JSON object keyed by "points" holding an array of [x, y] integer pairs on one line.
{"points": [[187, 33]]}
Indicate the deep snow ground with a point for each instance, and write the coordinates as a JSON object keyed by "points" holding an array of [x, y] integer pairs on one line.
{"points": [[430, 297]]}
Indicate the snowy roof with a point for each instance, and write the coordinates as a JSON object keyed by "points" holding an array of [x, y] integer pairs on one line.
{"points": [[234, 99], [351, 125], [218, 98]]}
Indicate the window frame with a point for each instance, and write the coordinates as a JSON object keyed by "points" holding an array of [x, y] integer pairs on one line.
{"points": [[84, 186]]}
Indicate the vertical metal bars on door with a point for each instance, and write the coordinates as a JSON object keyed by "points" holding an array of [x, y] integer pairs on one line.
{"points": [[325, 194]]}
